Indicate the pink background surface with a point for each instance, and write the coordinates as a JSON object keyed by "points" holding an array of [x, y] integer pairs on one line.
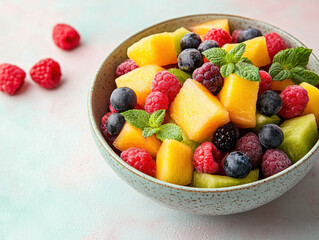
{"points": [[54, 183]]}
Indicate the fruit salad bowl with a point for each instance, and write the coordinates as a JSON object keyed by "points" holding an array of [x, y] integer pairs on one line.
{"points": [[207, 201]]}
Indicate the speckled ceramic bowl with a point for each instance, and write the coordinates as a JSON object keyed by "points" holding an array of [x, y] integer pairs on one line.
{"points": [[220, 201]]}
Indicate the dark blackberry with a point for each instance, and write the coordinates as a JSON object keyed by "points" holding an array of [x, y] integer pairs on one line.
{"points": [[208, 44], [225, 137], [269, 103], [247, 34], [190, 40], [190, 59], [210, 77], [237, 165]]}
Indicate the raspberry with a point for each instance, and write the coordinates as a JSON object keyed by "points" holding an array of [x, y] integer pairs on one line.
{"points": [[221, 170], [265, 83], [166, 83], [208, 75], [46, 73], [65, 36], [274, 44], [294, 101], [125, 67], [156, 101], [250, 145], [225, 137], [235, 35], [219, 35], [139, 159], [11, 78], [104, 131], [203, 159], [274, 161]]}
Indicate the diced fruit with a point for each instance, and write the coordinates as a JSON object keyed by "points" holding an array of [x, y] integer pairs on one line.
{"points": [[132, 137], [239, 96], [312, 106], [300, 136], [181, 75], [177, 36], [281, 85], [262, 120], [202, 28], [256, 51], [155, 49], [174, 162], [139, 80], [203, 180], [197, 111]]}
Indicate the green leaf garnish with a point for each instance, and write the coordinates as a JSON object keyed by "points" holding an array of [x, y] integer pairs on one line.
{"points": [[137, 118], [227, 69], [293, 57], [157, 118], [247, 71], [216, 56], [149, 131], [278, 72], [181, 75], [169, 131], [237, 52], [300, 75]]}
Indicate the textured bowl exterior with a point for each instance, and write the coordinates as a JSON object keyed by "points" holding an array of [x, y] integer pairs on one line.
{"points": [[220, 201]]}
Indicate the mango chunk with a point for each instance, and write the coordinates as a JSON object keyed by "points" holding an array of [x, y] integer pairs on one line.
{"points": [[174, 162], [202, 28], [281, 85], [312, 106]]}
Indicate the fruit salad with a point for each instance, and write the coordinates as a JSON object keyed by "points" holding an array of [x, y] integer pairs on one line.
{"points": [[209, 108]]}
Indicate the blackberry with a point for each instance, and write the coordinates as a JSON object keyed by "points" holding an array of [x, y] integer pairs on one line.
{"points": [[237, 165], [271, 136], [210, 77], [115, 123], [225, 137], [269, 103], [190, 59], [123, 99], [208, 44], [247, 34], [190, 40]]}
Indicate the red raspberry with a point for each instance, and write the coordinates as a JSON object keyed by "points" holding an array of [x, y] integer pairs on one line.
{"points": [[208, 75], [219, 35], [125, 67], [221, 170], [235, 35], [250, 145], [294, 101], [203, 159], [274, 44], [167, 83], [46, 73], [65, 36], [156, 101], [274, 161], [139, 159], [11, 78], [104, 131], [265, 83]]}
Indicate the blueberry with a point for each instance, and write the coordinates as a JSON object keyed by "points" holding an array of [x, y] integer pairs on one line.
{"points": [[123, 99], [208, 44], [237, 165], [115, 123], [269, 103], [190, 59], [247, 34], [270, 136], [190, 40]]}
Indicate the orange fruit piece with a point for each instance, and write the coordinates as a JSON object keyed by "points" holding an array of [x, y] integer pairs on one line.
{"points": [[281, 85], [202, 28], [312, 105]]}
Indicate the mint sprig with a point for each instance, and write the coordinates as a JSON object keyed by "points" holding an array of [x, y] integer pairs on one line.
{"points": [[291, 64], [150, 124], [233, 62]]}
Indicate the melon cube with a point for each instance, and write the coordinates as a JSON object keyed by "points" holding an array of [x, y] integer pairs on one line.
{"points": [[312, 105], [139, 80], [281, 85], [197, 111], [202, 28]]}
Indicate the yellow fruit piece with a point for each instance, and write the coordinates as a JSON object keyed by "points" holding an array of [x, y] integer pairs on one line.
{"points": [[312, 105], [256, 51], [139, 80], [131, 136], [155, 49], [202, 28], [197, 111], [239, 96], [281, 85], [174, 162]]}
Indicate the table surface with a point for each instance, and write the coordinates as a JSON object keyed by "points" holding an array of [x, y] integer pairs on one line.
{"points": [[54, 184]]}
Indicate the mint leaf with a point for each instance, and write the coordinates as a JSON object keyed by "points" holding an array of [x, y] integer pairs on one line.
{"points": [[157, 118], [216, 56], [227, 69], [137, 118], [299, 75], [278, 72], [246, 60], [292, 57], [181, 75], [247, 71], [237, 52], [148, 131], [169, 131]]}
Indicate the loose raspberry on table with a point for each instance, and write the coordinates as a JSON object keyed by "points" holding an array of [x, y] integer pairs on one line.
{"points": [[203, 159], [156, 101], [11, 78], [140, 159], [209, 75], [294, 101], [167, 83], [225, 137], [274, 161], [65, 36], [46, 73], [250, 145], [274, 44], [265, 83], [235, 35], [125, 67], [219, 35]]}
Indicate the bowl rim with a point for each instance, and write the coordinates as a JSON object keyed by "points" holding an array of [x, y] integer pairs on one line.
{"points": [[99, 137]]}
